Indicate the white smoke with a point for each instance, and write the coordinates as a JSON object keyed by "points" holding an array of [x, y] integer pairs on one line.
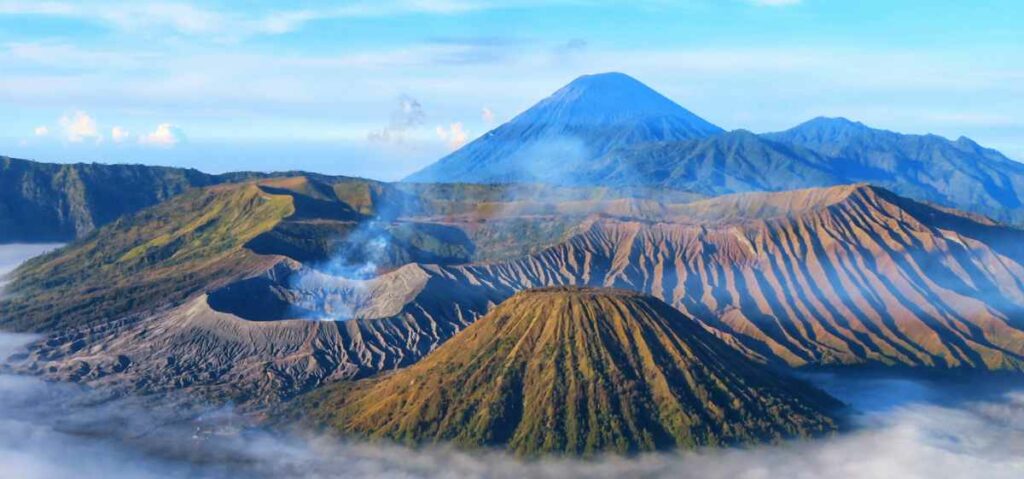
{"points": [[554, 160], [335, 289], [361, 255], [406, 116]]}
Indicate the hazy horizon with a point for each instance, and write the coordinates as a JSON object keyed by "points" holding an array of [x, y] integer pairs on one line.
{"points": [[219, 87]]}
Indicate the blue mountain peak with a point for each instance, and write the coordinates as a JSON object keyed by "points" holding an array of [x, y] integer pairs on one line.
{"points": [[606, 99]]}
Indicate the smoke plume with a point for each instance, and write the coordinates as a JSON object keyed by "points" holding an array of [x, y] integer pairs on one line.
{"points": [[408, 114]]}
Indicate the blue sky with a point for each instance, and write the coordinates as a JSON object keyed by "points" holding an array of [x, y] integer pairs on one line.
{"points": [[381, 88]]}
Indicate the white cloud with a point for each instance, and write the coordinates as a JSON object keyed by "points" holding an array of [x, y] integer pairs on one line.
{"points": [[78, 126], [775, 3], [166, 135], [31, 7], [119, 134], [197, 19], [487, 115], [762, 88], [455, 135], [41, 131], [134, 16], [55, 430]]}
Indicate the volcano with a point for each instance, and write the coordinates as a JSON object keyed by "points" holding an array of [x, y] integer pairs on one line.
{"points": [[585, 119], [570, 370]]}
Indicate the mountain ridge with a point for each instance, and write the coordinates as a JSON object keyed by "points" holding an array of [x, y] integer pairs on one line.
{"points": [[41, 202], [820, 152], [737, 161], [849, 275], [584, 119]]}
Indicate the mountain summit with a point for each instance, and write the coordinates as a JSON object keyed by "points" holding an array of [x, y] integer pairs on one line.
{"points": [[613, 99], [580, 371], [583, 120]]}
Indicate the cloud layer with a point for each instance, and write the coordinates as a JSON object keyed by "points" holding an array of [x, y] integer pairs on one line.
{"points": [[59, 431], [198, 19], [775, 3]]}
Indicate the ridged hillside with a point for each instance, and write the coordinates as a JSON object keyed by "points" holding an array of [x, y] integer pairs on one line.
{"points": [[579, 371], [199, 278], [202, 238], [849, 275], [734, 162], [61, 202], [141, 262]]}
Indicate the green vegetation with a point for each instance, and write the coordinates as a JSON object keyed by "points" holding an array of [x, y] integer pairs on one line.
{"points": [[157, 257], [578, 371], [61, 202], [205, 238]]}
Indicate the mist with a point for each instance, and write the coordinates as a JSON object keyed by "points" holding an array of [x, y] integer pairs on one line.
{"points": [[11, 255], [903, 426], [916, 428]]}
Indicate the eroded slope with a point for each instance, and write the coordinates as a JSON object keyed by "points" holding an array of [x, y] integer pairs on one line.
{"points": [[833, 276], [579, 371]]}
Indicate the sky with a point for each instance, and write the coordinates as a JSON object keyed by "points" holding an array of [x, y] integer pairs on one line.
{"points": [[382, 88]]}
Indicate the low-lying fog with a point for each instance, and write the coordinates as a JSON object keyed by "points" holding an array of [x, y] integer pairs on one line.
{"points": [[11, 255], [906, 427]]}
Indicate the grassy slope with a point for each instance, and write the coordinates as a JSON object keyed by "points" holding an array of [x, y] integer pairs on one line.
{"points": [[578, 372], [159, 256], [204, 237], [60, 202]]}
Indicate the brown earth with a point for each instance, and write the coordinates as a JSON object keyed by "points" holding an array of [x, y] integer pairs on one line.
{"points": [[849, 275], [578, 371]]}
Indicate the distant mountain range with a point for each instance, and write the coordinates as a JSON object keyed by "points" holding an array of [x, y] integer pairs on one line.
{"points": [[599, 130], [583, 120], [60, 202], [959, 174], [638, 138]]}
